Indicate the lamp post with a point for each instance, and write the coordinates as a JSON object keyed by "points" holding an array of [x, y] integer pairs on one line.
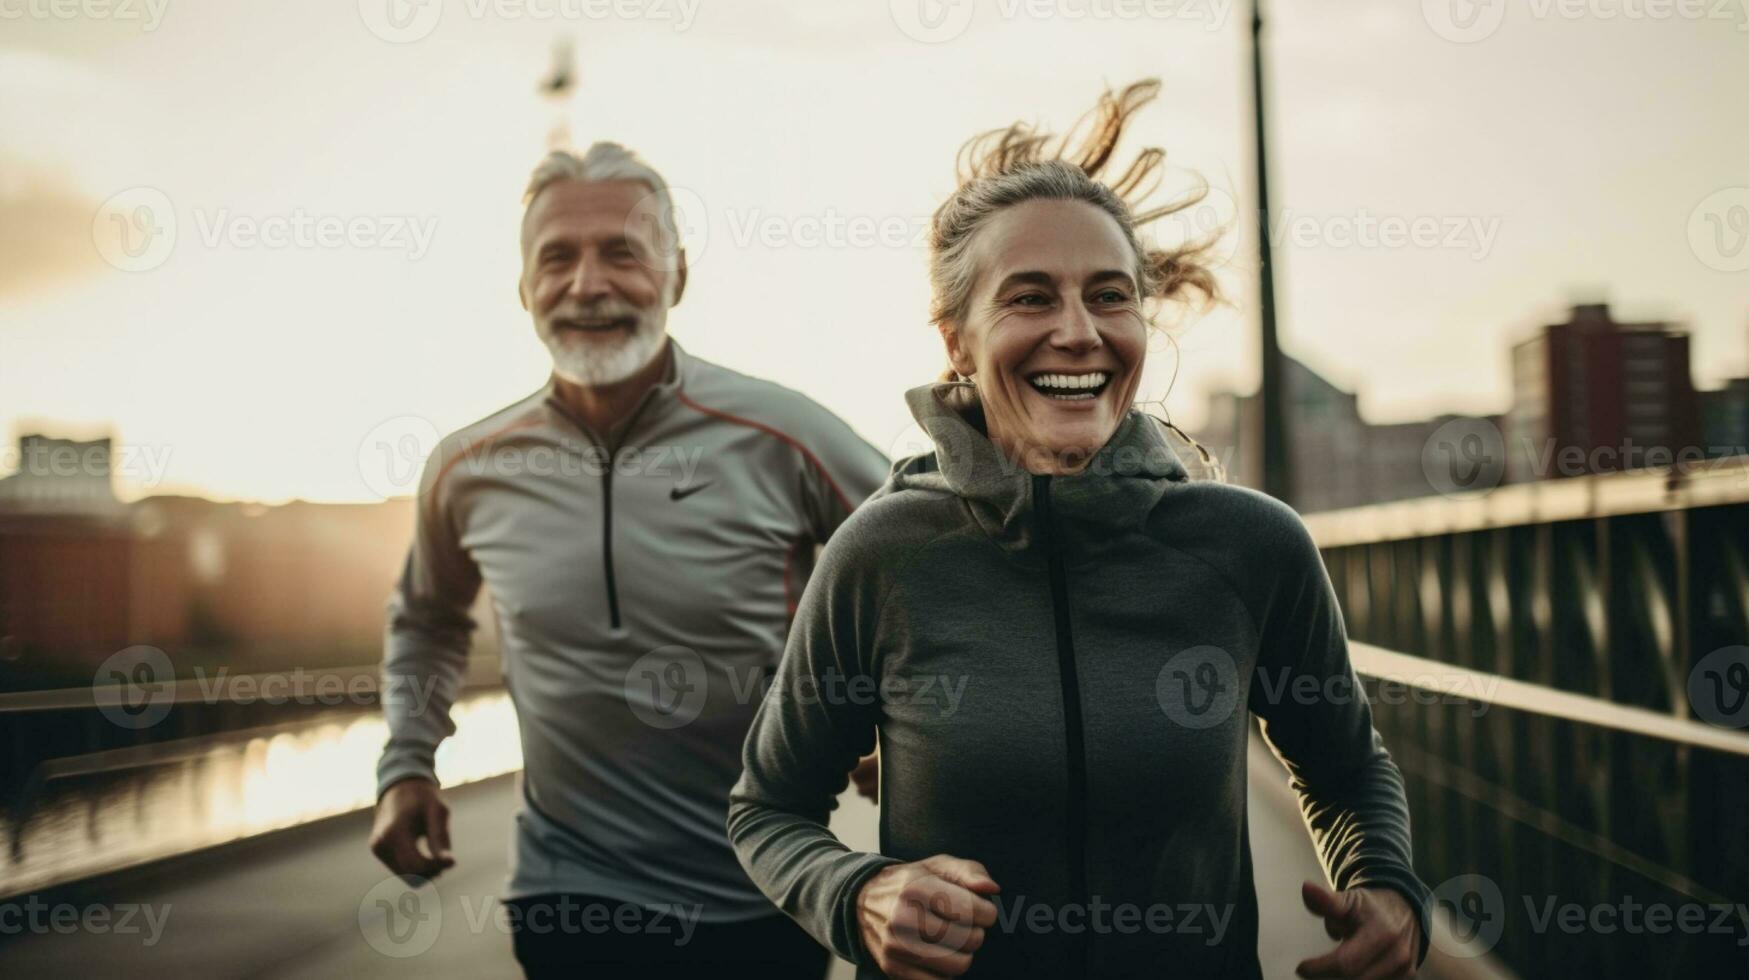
{"points": [[557, 86], [1270, 427]]}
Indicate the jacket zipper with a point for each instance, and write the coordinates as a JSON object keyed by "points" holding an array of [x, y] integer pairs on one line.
{"points": [[607, 509], [608, 456], [1073, 732], [607, 543]]}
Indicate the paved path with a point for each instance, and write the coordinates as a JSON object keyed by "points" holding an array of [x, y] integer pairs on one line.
{"points": [[288, 905]]}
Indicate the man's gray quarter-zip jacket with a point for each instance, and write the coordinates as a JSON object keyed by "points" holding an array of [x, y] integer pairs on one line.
{"points": [[643, 582]]}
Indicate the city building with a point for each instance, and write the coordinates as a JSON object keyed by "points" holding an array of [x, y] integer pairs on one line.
{"points": [[1724, 418], [60, 476], [1338, 458], [1592, 395]]}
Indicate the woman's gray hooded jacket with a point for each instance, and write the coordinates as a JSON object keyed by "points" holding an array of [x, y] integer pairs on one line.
{"points": [[1054, 667]]}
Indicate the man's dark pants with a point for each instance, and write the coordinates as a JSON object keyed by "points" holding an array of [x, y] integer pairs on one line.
{"points": [[587, 937]]}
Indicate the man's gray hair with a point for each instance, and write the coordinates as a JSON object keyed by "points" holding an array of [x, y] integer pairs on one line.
{"points": [[605, 161]]}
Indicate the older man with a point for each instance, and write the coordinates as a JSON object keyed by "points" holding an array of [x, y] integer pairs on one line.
{"points": [[644, 523]]}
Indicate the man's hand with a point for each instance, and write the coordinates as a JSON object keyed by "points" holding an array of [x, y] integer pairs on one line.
{"points": [[410, 810], [1380, 935], [867, 777], [924, 920]]}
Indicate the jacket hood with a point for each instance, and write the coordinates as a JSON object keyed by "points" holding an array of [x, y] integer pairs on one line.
{"points": [[1117, 489]]}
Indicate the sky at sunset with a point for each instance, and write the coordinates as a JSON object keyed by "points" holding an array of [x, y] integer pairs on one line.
{"points": [[1567, 154]]}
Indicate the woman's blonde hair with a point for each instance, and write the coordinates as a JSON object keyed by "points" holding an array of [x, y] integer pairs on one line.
{"points": [[1003, 167]]}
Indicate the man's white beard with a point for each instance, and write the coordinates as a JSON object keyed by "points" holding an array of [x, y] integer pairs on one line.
{"points": [[582, 361]]}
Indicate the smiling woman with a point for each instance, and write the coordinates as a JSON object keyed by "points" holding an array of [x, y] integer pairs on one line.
{"points": [[1110, 619], [1043, 292]]}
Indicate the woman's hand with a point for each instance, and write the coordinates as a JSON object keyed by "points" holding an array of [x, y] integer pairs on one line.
{"points": [[1380, 934], [924, 920]]}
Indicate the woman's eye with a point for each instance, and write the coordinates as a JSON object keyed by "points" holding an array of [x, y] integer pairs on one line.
{"points": [[1111, 296], [1031, 299]]}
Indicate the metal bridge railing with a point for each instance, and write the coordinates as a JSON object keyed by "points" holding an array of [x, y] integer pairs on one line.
{"points": [[1577, 755]]}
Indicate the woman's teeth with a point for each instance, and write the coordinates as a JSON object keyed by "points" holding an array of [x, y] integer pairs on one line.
{"points": [[1071, 387]]}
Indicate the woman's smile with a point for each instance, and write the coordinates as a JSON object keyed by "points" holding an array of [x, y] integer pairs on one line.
{"points": [[1055, 338], [1070, 386]]}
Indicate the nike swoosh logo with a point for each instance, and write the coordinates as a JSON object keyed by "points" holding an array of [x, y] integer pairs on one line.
{"points": [[681, 493]]}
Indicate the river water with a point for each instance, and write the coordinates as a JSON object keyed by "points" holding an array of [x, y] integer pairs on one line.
{"points": [[231, 788]]}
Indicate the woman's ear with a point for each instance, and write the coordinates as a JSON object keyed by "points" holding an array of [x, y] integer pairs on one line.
{"points": [[957, 355]]}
